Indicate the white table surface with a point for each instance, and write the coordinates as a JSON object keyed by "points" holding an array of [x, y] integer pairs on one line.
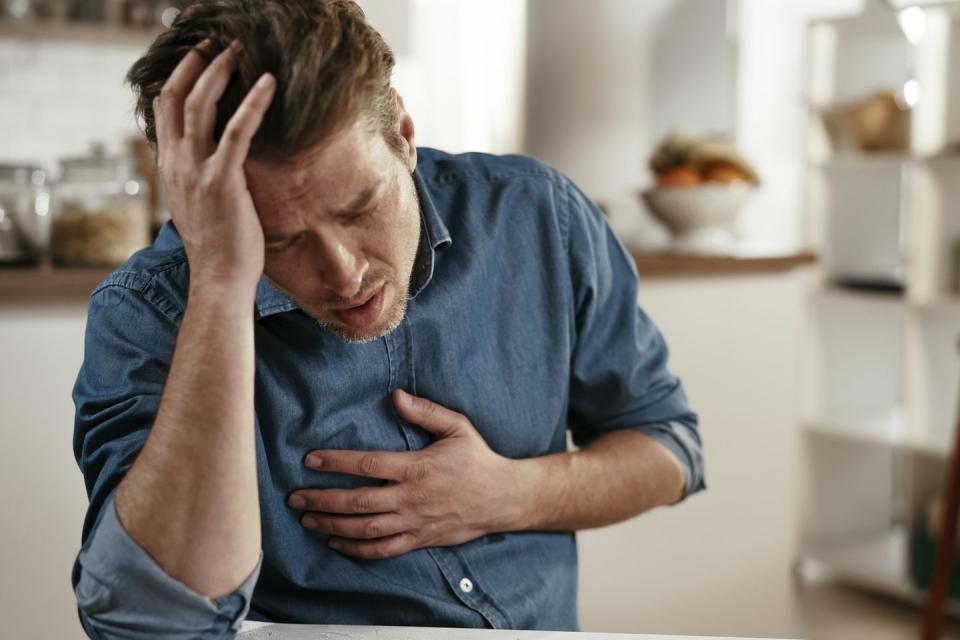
{"points": [[270, 631]]}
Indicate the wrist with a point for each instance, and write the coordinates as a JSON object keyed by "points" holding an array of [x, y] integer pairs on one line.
{"points": [[537, 493], [242, 290]]}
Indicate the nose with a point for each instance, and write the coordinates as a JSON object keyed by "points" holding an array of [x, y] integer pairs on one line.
{"points": [[342, 270]]}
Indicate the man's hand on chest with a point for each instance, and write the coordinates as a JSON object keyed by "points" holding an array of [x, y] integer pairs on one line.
{"points": [[453, 491]]}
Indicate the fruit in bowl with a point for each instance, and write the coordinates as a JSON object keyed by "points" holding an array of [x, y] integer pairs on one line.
{"points": [[701, 185]]}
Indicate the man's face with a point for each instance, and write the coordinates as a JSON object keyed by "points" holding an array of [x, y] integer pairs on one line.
{"points": [[342, 228]]}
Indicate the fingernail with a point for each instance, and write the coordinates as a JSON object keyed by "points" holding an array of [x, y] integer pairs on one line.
{"points": [[297, 502], [236, 46], [404, 396], [265, 81], [314, 461]]}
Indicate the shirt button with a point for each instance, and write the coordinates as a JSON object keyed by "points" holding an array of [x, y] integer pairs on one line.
{"points": [[466, 585]]}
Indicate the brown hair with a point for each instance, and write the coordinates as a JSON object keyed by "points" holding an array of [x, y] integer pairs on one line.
{"points": [[330, 65]]}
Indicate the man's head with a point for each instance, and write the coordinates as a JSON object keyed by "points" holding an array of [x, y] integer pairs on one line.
{"points": [[329, 169]]}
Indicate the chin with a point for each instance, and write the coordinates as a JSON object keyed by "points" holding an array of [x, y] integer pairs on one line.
{"points": [[388, 321]]}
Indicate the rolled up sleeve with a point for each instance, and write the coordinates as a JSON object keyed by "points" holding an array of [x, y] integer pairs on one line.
{"points": [[121, 591], [618, 375]]}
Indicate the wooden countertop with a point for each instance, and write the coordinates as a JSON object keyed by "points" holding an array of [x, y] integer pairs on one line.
{"points": [[47, 284], [661, 265], [265, 631]]}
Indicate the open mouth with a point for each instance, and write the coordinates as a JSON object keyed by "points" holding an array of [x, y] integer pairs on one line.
{"points": [[363, 314]]}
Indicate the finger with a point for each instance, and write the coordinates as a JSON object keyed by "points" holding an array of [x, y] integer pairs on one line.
{"points": [[159, 126], [355, 527], [376, 549], [200, 106], [243, 124], [382, 465], [176, 88], [347, 501], [433, 417]]}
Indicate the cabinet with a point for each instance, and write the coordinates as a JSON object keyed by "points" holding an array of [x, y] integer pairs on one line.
{"points": [[882, 369]]}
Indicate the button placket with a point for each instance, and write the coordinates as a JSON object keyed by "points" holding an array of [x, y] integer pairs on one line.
{"points": [[402, 353], [453, 570]]}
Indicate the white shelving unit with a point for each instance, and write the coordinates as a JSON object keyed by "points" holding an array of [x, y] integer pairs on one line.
{"points": [[883, 367]]}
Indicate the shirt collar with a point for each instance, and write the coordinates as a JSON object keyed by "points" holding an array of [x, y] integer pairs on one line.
{"points": [[434, 236]]}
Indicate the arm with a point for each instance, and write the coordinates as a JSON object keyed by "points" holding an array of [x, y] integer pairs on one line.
{"points": [[621, 474], [190, 499]]}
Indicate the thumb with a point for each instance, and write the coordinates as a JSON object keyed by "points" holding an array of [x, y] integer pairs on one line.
{"points": [[433, 417]]}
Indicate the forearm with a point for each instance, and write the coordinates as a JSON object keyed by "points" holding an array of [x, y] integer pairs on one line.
{"points": [[191, 499], [618, 476]]}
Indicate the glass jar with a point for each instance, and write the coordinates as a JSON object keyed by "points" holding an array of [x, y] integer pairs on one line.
{"points": [[24, 209], [100, 212]]}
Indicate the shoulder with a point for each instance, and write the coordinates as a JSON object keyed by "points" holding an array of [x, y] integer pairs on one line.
{"points": [[157, 276], [516, 188], [438, 167]]}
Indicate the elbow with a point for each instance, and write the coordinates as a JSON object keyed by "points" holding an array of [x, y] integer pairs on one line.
{"points": [[107, 614]]}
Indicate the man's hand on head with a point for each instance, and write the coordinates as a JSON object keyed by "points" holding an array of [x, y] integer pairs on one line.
{"points": [[204, 181], [453, 491]]}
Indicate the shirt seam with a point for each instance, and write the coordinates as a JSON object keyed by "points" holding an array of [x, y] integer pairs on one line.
{"points": [[447, 178], [115, 280]]}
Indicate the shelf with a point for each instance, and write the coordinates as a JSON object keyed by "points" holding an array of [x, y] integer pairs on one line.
{"points": [[881, 428], [840, 293], [668, 264], [878, 562], [47, 284], [81, 32]]}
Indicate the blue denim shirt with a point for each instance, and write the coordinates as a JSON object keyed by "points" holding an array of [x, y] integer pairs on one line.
{"points": [[523, 316]]}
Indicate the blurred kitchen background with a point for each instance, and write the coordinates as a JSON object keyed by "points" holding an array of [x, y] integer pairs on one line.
{"points": [[785, 175]]}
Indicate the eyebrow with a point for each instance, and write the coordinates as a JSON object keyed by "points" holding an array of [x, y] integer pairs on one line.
{"points": [[362, 200]]}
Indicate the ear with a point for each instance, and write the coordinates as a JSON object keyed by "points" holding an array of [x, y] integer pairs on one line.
{"points": [[406, 131]]}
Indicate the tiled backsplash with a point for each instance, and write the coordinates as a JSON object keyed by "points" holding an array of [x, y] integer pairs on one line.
{"points": [[58, 97]]}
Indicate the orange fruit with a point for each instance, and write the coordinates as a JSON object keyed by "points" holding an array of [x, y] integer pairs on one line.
{"points": [[686, 175], [726, 173]]}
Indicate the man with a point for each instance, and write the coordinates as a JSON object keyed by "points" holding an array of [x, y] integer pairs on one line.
{"points": [[337, 388]]}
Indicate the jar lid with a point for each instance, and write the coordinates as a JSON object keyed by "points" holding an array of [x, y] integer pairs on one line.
{"points": [[98, 166], [26, 174]]}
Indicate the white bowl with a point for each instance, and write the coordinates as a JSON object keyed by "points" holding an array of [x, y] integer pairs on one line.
{"points": [[701, 218]]}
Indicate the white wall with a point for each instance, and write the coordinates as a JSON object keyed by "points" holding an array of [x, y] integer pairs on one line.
{"points": [[460, 68], [56, 98], [771, 111]]}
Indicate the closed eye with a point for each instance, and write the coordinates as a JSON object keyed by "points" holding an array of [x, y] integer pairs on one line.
{"points": [[283, 245], [356, 217]]}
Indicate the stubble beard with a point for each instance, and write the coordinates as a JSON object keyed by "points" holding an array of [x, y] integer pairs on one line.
{"points": [[392, 319]]}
